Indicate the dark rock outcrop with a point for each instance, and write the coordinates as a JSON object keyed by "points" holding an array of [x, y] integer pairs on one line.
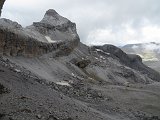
{"points": [[1, 5], [83, 63], [2, 88]]}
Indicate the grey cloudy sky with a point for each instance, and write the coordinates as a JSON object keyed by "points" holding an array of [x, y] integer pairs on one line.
{"points": [[117, 22]]}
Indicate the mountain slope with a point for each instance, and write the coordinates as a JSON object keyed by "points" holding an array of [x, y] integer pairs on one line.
{"points": [[27, 98], [47, 73]]}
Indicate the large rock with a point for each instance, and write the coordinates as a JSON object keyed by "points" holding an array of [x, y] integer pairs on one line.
{"points": [[1, 5], [53, 33], [82, 63]]}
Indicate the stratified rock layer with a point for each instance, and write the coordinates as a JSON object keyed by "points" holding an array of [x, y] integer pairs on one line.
{"points": [[53, 33]]}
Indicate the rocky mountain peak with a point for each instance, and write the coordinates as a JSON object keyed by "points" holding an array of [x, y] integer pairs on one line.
{"points": [[53, 33], [51, 12], [52, 18]]}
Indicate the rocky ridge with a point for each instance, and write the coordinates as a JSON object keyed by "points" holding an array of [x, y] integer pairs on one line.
{"points": [[39, 38], [131, 60]]}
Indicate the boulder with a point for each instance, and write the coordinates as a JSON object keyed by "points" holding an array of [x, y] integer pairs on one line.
{"points": [[83, 63]]}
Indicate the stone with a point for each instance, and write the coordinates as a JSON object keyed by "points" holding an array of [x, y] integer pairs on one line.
{"points": [[39, 116]]}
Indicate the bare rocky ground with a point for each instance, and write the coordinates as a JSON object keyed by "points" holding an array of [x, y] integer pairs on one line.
{"points": [[46, 73], [24, 97], [27, 94]]}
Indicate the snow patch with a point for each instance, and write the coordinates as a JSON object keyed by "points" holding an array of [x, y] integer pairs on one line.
{"points": [[99, 50], [63, 83], [16, 70], [102, 57], [74, 75], [96, 58], [49, 39]]}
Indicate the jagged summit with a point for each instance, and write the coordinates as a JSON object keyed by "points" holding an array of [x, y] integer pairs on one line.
{"points": [[53, 18], [53, 24], [51, 12]]}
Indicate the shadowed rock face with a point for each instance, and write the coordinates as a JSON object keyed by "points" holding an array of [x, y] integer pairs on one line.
{"points": [[131, 60], [1, 89], [15, 42], [117, 52], [53, 33], [1, 5]]}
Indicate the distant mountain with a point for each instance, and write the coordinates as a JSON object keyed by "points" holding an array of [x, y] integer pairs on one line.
{"points": [[149, 52]]}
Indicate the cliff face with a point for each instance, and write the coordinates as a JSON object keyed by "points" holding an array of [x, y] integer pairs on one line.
{"points": [[1, 5], [53, 33]]}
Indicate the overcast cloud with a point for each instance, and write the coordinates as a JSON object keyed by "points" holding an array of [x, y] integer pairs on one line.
{"points": [[117, 22]]}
